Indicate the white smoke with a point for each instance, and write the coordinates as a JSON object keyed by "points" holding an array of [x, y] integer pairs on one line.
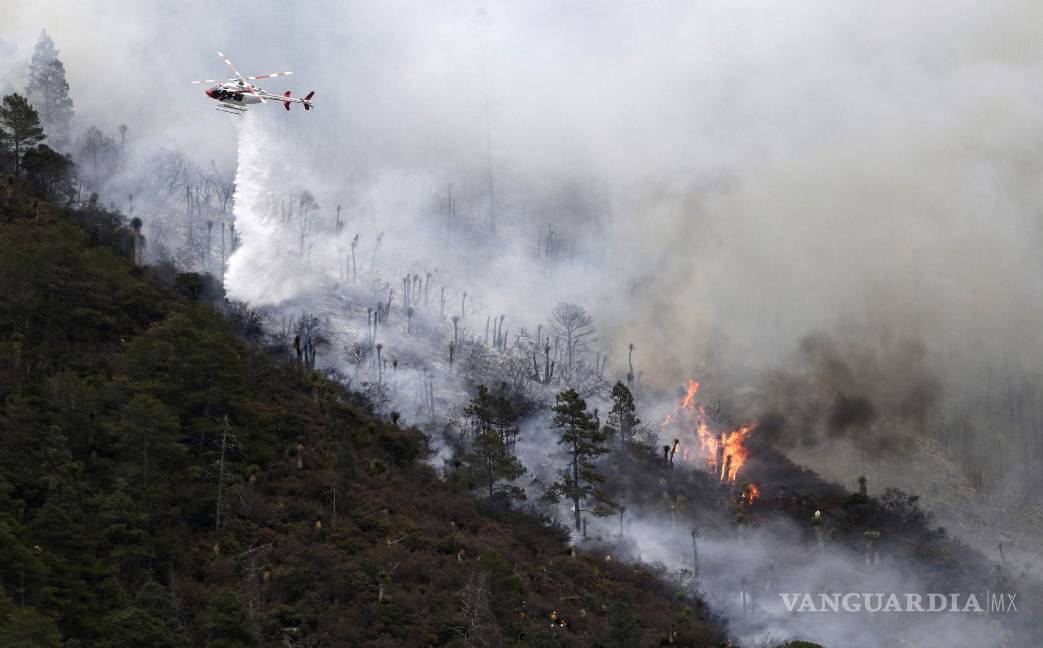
{"points": [[773, 558], [265, 269]]}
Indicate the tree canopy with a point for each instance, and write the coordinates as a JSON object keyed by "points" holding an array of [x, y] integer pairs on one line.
{"points": [[48, 90], [581, 481], [489, 460], [21, 127]]}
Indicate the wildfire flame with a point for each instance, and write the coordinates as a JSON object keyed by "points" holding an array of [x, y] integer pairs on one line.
{"points": [[722, 453], [751, 493]]}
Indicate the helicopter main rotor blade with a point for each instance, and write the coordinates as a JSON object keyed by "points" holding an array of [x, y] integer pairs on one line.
{"points": [[240, 77], [261, 76], [230, 66], [270, 76]]}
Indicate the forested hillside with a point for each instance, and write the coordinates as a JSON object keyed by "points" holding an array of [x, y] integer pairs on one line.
{"points": [[171, 478], [490, 371]]}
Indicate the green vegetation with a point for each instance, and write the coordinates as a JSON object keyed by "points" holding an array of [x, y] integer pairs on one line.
{"points": [[585, 440], [489, 462], [170, 479], [622, 418], [20, 126]]}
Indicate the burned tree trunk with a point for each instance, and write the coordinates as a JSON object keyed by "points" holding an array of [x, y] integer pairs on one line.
{"points": [[695, 552], [630, 372]]}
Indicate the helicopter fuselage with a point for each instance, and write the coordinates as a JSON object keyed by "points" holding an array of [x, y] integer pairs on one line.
{"points": [[235, 94]]}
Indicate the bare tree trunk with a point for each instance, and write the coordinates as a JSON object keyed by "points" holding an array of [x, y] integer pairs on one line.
{"points": [[354, 268], [575, 480], [630, 373]]}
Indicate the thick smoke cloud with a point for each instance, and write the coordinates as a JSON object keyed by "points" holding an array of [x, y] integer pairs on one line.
{"points": [[757, 171]]}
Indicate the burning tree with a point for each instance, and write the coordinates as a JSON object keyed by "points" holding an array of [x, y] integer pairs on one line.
{"points": [[581, 434], [722, 453]]}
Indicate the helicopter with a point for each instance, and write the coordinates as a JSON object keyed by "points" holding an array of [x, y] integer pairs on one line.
{"points": [[236, 94]]}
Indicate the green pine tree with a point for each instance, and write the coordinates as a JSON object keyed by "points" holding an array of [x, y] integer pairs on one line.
{"points": [[581, 481], [124, 532], [21, 124], [489, 460], [151, 446], [504, 416], [623, 629], [27, 628], [152, 619], [48, 90], [49, 172], [226, 624], [621, 417]]}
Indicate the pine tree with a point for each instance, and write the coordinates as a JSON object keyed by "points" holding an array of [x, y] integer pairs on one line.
{"points": [[6, 155], [585, 441], [21, 124], [623, 629], [45, 49], [100, 156], [480, 412], [27, 628], [226, 622], [151, 619], [505, 418], [49, 172], [489, 460], [48, 91], [150, 444], [123, 524], [621, 417]]}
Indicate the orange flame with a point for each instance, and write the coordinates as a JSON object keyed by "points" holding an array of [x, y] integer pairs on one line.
{"points": [[723, 453], [751, 493]]}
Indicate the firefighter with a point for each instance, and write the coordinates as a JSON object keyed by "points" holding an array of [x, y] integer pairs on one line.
{"points": [[816, 523]]}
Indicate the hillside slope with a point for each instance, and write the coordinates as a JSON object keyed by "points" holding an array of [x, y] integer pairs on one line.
{"points": [[171, 480]]}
